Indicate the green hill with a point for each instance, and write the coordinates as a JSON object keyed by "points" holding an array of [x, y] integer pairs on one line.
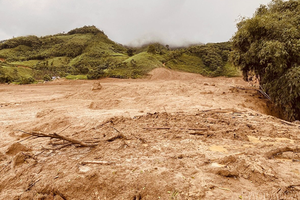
{"points": [[88, 53]]}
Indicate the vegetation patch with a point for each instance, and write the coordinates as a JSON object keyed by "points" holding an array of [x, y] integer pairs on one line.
{"points": [[76, 77], [268, 45], [88, 53]]}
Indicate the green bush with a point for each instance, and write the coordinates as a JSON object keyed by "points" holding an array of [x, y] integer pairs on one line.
{"points": [[6, 79], [27, 80], [151, 49], [47, 77]]}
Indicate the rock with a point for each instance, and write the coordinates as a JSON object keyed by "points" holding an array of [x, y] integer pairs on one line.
{"points": [[57, 197], [21, 158], [16, 148], [96, 86], [2, 157]]}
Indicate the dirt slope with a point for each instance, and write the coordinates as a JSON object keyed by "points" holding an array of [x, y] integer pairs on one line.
{"points": [[173, 135]]}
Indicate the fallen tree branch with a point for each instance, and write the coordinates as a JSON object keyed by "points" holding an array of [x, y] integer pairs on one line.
{"points": [[27, 138], [55, 135], [5, 166], [44, 148], [119, 136], [167, 128], [220, 110], [73, 141], [32, 184], [288, 123], [197, 133], [196, 129], [98, 162], [261, 90], [157, 128], [242, 88], [277, 152]]}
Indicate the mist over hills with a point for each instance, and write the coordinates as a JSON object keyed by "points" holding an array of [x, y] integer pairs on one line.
{"points": [[88, 53]]}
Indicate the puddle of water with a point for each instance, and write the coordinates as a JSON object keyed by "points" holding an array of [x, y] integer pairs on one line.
{"points": [[217, 165], [218, 149]]}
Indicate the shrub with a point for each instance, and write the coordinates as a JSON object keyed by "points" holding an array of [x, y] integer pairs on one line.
{"points": [[47, 77], [26, 80]]}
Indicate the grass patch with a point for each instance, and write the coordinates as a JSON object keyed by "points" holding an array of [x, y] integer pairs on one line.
{"points": [[187, 63], [76, 77], [231, 71], [28, 63], [18, 71], [136, 66]]}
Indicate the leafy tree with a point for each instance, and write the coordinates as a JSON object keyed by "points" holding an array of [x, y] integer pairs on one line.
{"points": [[96, 74], [269, 45], [214, 56], [151, 49], [130, 52]]}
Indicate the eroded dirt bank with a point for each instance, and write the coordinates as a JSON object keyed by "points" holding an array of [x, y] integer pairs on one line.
{"points": [[171, 136]]}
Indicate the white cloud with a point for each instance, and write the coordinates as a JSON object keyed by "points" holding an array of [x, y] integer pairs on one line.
{"points": [[128, 22]]}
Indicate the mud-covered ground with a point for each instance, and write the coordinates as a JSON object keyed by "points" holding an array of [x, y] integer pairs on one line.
{"points": [[171, 136]]}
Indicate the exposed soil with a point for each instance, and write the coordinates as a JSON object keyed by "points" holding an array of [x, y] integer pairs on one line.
{"points": [[173, 135]]}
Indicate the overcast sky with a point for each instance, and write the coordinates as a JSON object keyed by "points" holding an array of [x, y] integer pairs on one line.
{"points": [[129, 22]]}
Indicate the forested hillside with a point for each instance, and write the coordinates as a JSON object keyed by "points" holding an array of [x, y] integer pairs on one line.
{"points": [[87, 53]]}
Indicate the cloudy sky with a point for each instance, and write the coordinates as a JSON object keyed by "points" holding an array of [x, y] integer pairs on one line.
{"points": [[129, 22]]}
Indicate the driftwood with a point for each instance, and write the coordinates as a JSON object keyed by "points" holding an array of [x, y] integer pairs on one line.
{"points": [[72, 141], [57, 136]]}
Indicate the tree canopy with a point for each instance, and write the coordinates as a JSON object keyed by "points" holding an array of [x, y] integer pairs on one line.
{"points": [[268, 44]]}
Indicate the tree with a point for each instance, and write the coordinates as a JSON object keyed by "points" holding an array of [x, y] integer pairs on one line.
{"points": [[269, 45], [151, 49], [130, 52]]}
